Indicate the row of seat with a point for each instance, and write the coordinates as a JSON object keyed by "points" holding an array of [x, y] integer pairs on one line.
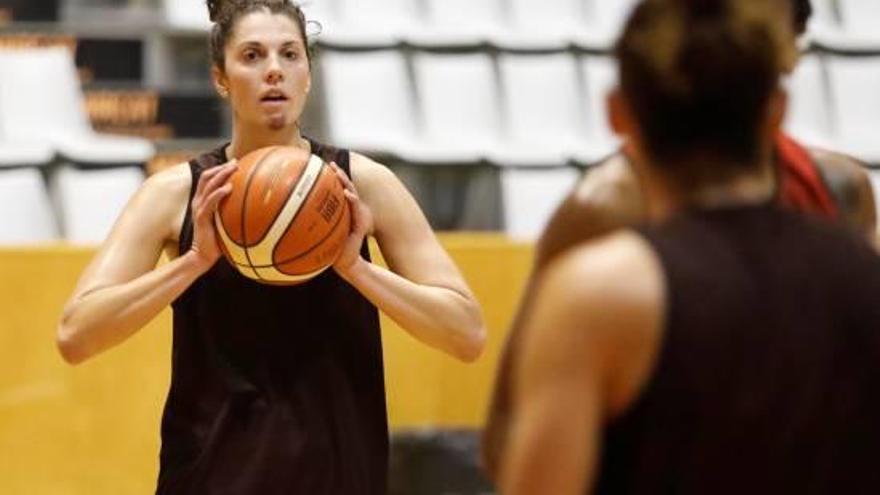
{"points": [[513, 23], [531, 113], [42, 108], [548, 109], [50, 204], [48, 149], [528, 110], [517, 24]]}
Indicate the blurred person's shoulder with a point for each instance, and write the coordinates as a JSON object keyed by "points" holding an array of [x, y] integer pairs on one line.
{"points": [[611, 185], [850, 186], [607, 198]]}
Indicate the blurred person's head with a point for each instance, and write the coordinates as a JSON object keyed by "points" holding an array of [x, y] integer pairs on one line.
{"points": [[260, 60], [802, 10], [699, 97], [799, 11]]}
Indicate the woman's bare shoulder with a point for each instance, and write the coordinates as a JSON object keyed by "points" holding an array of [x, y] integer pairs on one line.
{"points": [[166, 194]]}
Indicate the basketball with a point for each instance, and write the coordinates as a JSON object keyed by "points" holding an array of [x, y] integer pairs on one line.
{"points": [[286, 219]]}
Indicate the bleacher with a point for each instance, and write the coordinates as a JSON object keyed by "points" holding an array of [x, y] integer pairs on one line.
{"points": [[487, 109]]}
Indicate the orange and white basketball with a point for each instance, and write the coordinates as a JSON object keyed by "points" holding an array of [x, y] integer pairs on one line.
{"points": [[286, 219]]}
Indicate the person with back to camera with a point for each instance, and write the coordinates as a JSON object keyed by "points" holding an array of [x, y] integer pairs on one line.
{"points": [[611, 195], [728, 345], [274, 390]]}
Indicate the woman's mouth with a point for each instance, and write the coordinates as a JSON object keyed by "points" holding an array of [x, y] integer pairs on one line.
{"points": [[274, 98]]}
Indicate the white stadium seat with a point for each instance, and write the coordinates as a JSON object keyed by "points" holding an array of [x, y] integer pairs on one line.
{"points": [[370, 100], [854, 27], [13, 154], [459, 22], [372, 22], [43, 104], [459, 108], [89, 201], [25, 209], [599, 78], [606, 19], [856, 103], [530, 196], [809, 114], [187, 14], [549, 24], [543, 108]]}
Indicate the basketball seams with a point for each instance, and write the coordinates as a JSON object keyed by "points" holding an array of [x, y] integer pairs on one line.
{"points": [[264, 251], [304, 253], [278, 213], [317, 244], [236, 252], [305, 200], [244, 204], [251, 172]]}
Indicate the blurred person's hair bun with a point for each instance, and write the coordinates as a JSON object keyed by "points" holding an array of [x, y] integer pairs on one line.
{"points": [[703, 9]]}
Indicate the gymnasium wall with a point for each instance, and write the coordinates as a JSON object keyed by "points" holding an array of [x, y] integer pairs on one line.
{"points": [[94, 429]]}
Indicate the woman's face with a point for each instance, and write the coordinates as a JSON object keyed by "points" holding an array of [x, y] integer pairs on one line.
{"points": [[267, 75]]}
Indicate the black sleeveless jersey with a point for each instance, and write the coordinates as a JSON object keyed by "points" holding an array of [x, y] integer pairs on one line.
{"points": [[274, 390], [768, 374]]}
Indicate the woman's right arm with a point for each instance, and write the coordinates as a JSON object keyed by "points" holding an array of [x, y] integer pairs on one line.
{"points": [[121, 290]]}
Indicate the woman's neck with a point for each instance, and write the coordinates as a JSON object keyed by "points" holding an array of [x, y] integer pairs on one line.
{"points": [[666, 198], [245, 140]]}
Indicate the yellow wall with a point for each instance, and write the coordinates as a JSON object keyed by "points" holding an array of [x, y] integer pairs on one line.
{"points": [[94, 429]]}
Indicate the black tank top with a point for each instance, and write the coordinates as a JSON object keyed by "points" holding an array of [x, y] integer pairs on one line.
{"points": [[768, 377], [274, 390]]}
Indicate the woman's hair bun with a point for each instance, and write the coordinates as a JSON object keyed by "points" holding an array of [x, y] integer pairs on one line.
{"points": [[215, 8]]}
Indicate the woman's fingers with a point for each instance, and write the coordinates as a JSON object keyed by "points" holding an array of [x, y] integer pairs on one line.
{"points": [[211, 189], [214, 198], [346, 181], [214, 176], [220, 178], [206, 176]]}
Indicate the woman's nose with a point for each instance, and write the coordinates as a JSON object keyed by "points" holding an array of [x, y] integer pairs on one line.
{"points": [[274, 73]]}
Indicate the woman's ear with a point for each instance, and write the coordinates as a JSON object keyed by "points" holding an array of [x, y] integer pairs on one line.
{"points": [[620, 116], [221, 84], [624, 123], [777, 108]]}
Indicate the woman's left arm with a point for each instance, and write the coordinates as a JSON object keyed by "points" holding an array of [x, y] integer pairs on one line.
{"points": [[423, 291]]}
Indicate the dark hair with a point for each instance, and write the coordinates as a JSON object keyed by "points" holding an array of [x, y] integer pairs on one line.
{"points": [[226, 13], [802, 10], [698, 75]]}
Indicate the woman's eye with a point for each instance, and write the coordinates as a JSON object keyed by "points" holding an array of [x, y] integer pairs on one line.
{"points": [[250, 55], [291, 54]]}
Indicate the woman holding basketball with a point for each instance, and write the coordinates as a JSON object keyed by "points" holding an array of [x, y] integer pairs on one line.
{"points": [[274, 389]]}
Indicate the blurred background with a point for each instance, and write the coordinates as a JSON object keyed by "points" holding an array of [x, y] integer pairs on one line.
{"points": [[488, 110]]}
